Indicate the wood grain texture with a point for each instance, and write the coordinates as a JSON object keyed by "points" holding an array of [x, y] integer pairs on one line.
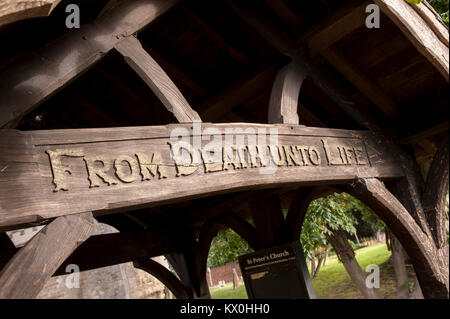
{"points": [[433, 20], [164, 275], [15, 10], [65, 59], [368, 87], [435, 193], [117, 248], [425, 256], [418, 32], [283, 103], [336, 26], [110, 168], [26, 273], [155, 77]]}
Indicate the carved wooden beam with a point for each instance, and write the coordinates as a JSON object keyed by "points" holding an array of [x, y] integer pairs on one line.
{"points": [[421, 35], [436, 189], [57, 64], [27, 272], [283, 103], [155, 77], [164, 275], [15, 10], [118, 169]]}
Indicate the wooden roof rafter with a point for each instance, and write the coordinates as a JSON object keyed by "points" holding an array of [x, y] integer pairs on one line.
{"points": [[65, 59]]}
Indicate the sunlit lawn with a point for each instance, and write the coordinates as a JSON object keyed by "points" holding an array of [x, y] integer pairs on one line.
{"points": [[333, 280]]}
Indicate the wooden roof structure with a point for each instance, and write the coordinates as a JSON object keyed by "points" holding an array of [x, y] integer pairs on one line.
{"points": [[136, 64]]}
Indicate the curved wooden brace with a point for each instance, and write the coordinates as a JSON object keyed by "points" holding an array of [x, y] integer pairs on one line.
{"points": [[155, 77], [27, 272], [299, 206], [207, 233], [283, 103], [15, 10], [433, 277], [433, 199], [241, 227], [164, 275]]}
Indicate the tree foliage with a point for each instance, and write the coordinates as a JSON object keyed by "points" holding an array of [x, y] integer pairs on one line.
{"points": [[331, 213], [323, 216], [441, 6], [226, 247]]}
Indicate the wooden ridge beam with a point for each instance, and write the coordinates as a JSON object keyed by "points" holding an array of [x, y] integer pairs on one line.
{"points": [[57, 64], [155, 77], [27, 272]]}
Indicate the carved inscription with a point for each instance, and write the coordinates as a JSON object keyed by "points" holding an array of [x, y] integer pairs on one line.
{"points": [[185, 160]]}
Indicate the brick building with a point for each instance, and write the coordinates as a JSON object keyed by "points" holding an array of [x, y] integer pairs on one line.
{"points": [[222, 273]]}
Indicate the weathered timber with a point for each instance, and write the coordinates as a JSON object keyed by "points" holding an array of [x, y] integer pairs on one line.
{"points": [[117, 248], [155, 77], [15, 10], [63, 60], [269, 221], [207, 233], [422, 36], [433, 198], [7, 249], [283, 103], [433, 20], [425, 256], [44, 173], [164, 275], [26, 273], [336, 26], [342, 95], [190, 262], [368, 87], [241, 227], [438, 129]]}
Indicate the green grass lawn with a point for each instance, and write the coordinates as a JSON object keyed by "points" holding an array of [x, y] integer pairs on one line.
{"points": [[333, 282]]}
